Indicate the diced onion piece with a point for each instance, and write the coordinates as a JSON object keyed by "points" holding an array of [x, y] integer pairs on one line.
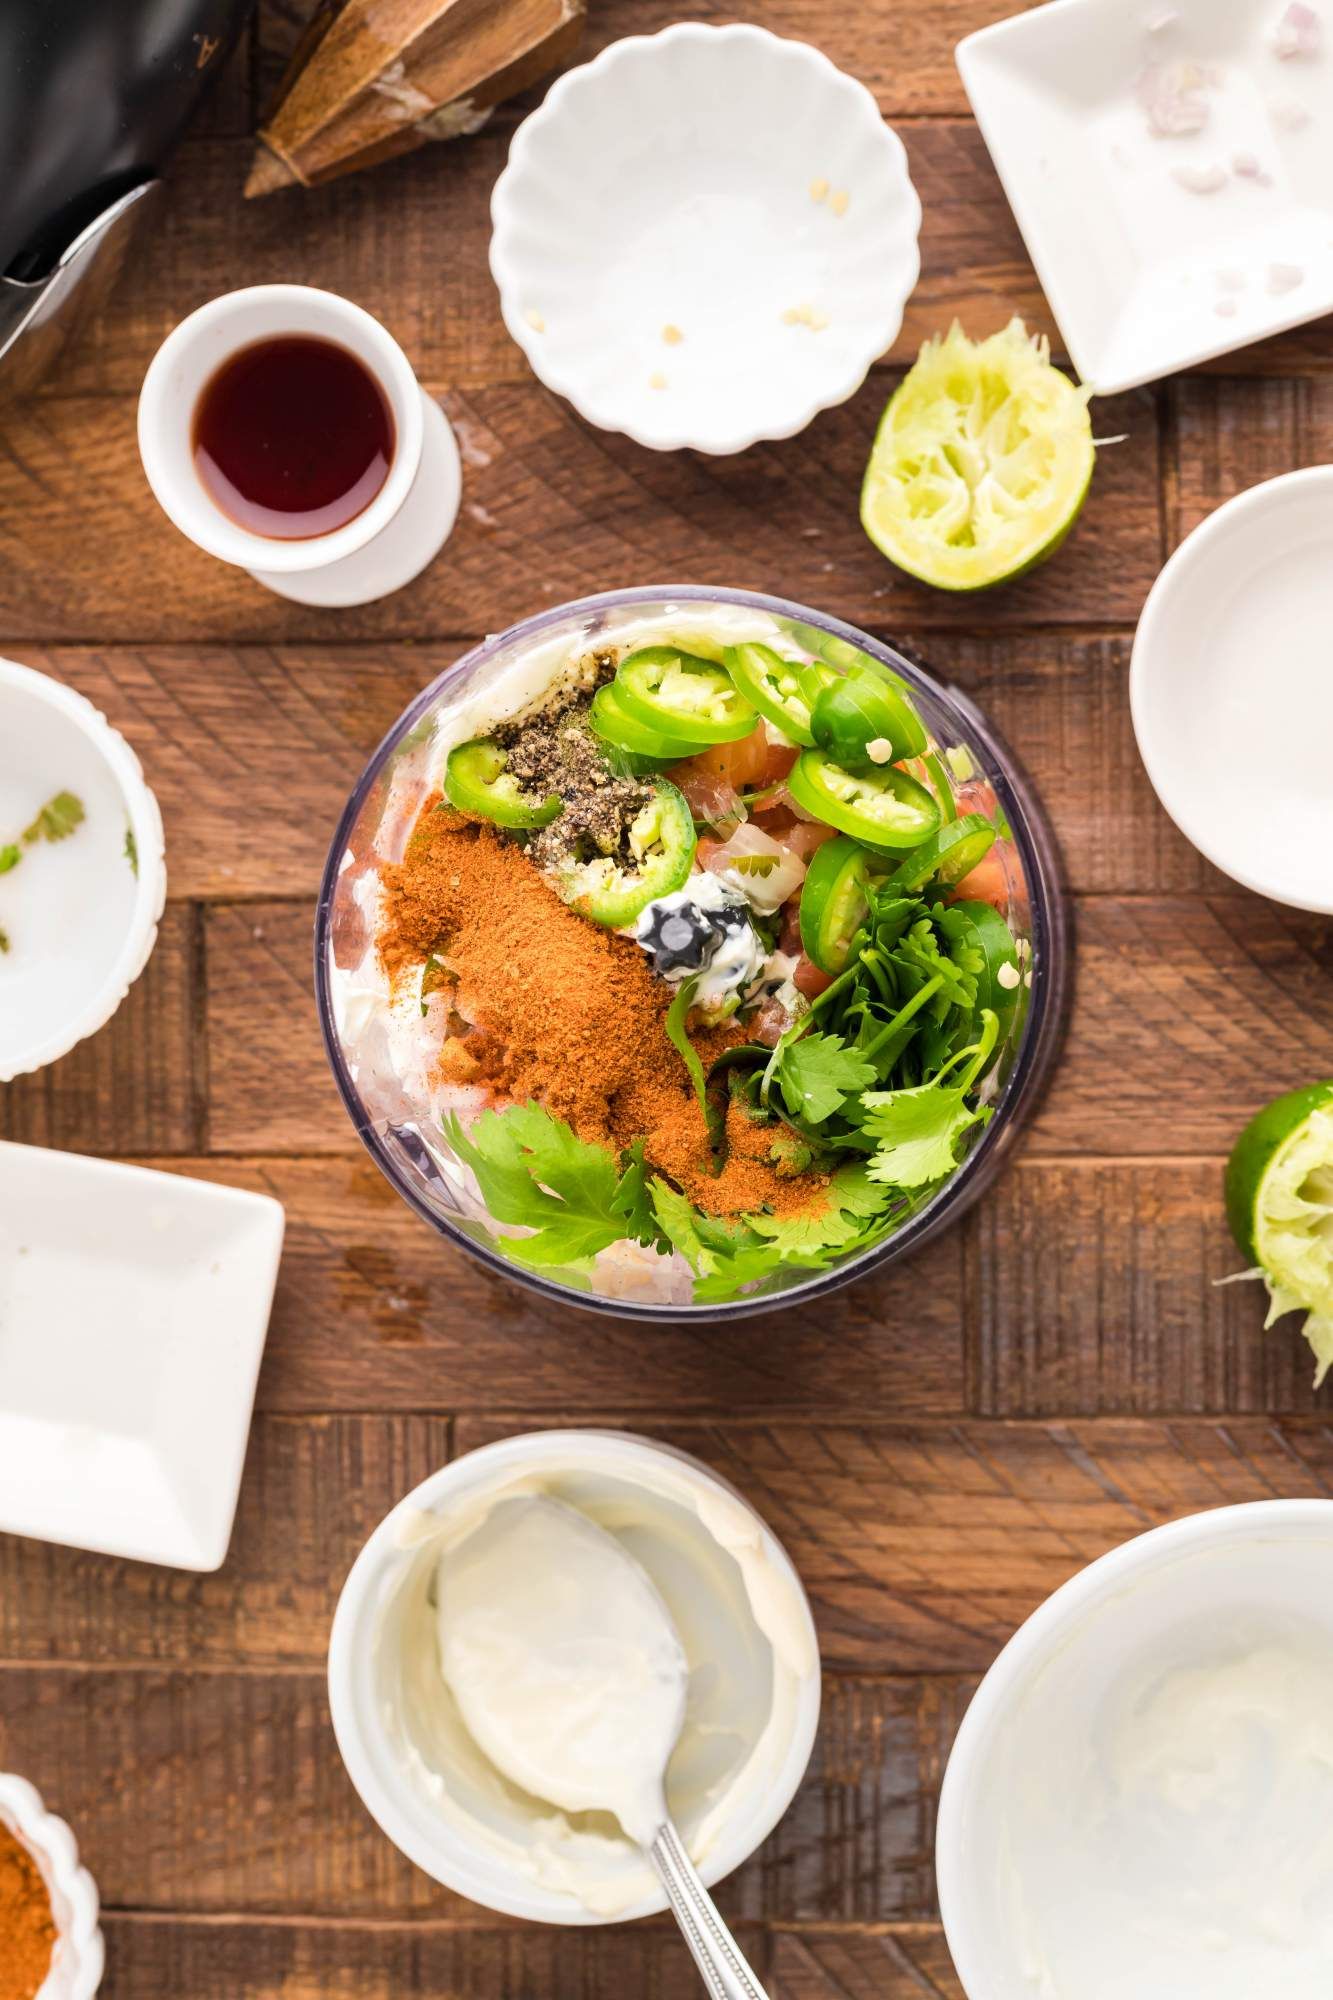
{"points": [[764, 870]]}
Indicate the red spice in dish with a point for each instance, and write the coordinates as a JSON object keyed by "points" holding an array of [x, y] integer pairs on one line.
{"points": [[27, 1926], [566, 1013]]}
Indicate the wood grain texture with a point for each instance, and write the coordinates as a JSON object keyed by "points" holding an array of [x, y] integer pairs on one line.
{"points": [[151, 1958], [1211, 1004], [552, 510], [923, 1543], [129, 1755], [254, 749], [908, 1964], [138, 1085], [1227, 435], [313, 1490]]}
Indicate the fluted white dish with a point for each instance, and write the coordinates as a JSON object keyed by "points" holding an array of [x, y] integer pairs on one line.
{"points": [[76, 1962], [79, 918], [668, 184]]}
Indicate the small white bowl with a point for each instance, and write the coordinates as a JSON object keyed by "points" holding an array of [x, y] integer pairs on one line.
{"points": [[1232, 693], [1079, 1784], [668, 184], [76, 1962], [1145, 275], [80, 922], [754, 1707]]}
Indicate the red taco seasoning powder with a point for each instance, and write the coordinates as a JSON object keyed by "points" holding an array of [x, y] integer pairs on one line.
{"points": [[27, 1927], [565, 1013]]}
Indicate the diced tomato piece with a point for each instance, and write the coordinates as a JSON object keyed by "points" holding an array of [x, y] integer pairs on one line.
{"points": [[742, 764], [987, 882], [781, 757], [808, 978], [789, 937]]}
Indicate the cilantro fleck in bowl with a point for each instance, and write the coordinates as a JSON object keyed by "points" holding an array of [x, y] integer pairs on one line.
{"points": [[387, 1065]]}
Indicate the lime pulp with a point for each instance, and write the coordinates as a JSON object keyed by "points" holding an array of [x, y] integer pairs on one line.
{"points": [[1279, 1189], [981, 463]]}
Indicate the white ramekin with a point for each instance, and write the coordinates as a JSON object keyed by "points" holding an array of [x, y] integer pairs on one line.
{"points": [[374, 1763], [666, 186], [78, 1007], [76, 1964], [990, 1957], [392, 539]]}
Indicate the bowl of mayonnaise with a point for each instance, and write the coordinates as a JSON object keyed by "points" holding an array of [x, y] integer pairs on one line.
{"points": [[412, 1711], [1140, 1799]]}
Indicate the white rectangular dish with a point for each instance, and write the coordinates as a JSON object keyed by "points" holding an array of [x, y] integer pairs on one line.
{"points": [[133, 1311], [1170, 169]]}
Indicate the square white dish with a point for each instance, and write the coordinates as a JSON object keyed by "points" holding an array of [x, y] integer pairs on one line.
{"points": [[133, 1311], [1144, 275]]}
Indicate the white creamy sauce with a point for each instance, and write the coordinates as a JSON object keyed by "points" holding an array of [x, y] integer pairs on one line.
{"points": [[563, 1660], [510, 1627], [736, 959], [1182, 1846]]}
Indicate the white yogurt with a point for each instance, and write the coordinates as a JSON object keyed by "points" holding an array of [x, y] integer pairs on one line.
{"points": [[563, 1660], [1147, 1814], [408, 1704]]}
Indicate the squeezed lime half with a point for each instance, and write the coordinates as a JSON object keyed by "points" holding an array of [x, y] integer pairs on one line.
{"points": [[1279, 1190], [981, 462]]}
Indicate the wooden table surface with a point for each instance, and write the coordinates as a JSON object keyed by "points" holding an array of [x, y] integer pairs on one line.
{"points": [[940, 1446]]}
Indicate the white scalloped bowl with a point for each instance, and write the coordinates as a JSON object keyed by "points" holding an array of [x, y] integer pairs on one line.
{"points": [[79, 918], [668, 185], [76, 1963]]}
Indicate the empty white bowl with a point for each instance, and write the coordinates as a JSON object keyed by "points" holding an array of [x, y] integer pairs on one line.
{"points": [[1140, 1798], [670, 187], [1232, 693], [76, 1962], [80, 915]]}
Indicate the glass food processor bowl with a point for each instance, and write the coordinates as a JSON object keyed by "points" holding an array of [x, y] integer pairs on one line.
{"points": [[383, 1091]]}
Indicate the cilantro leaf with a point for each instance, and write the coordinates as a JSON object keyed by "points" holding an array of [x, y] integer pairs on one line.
{"points": [[10, 857], [819, 1073], [56, 820], [917, 1130], [131, 850], [4, 940], [631, 1198], [675, 1027], [535, 1173], [680, 1223]]}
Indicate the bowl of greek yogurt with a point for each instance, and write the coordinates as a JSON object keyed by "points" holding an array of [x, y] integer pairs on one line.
{"points": [[646, 926], [1140, 1798], [419, 1680]]}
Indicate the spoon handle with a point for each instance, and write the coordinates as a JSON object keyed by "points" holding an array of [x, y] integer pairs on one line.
{"points": [[713, 1948]]}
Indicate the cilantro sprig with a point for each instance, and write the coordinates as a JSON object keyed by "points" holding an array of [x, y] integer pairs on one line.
{"points": [[55, 821]]}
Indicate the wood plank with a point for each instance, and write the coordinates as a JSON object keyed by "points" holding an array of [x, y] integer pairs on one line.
{"points": [[252, 750], [922, 1546], [218, 1792], [152, 1958], [313, 1490], [859, 1965], [1095, 1286], [1189, 1013], [373, 1309], [1227, 435], [137, 1086], [374, 234], [923, 1543], [552, 510]]}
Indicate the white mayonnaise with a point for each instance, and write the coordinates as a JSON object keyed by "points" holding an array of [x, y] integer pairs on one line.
{"points": [[530, 1679], [563, 1660], [1182, 1846]]}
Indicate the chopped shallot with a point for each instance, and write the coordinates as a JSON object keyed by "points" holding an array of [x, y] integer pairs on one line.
{"points": [[764, 870], [1288, 113], [1299, 33], [1246, 165], [1200, 180], [1172, 98], [1284, 278]]}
